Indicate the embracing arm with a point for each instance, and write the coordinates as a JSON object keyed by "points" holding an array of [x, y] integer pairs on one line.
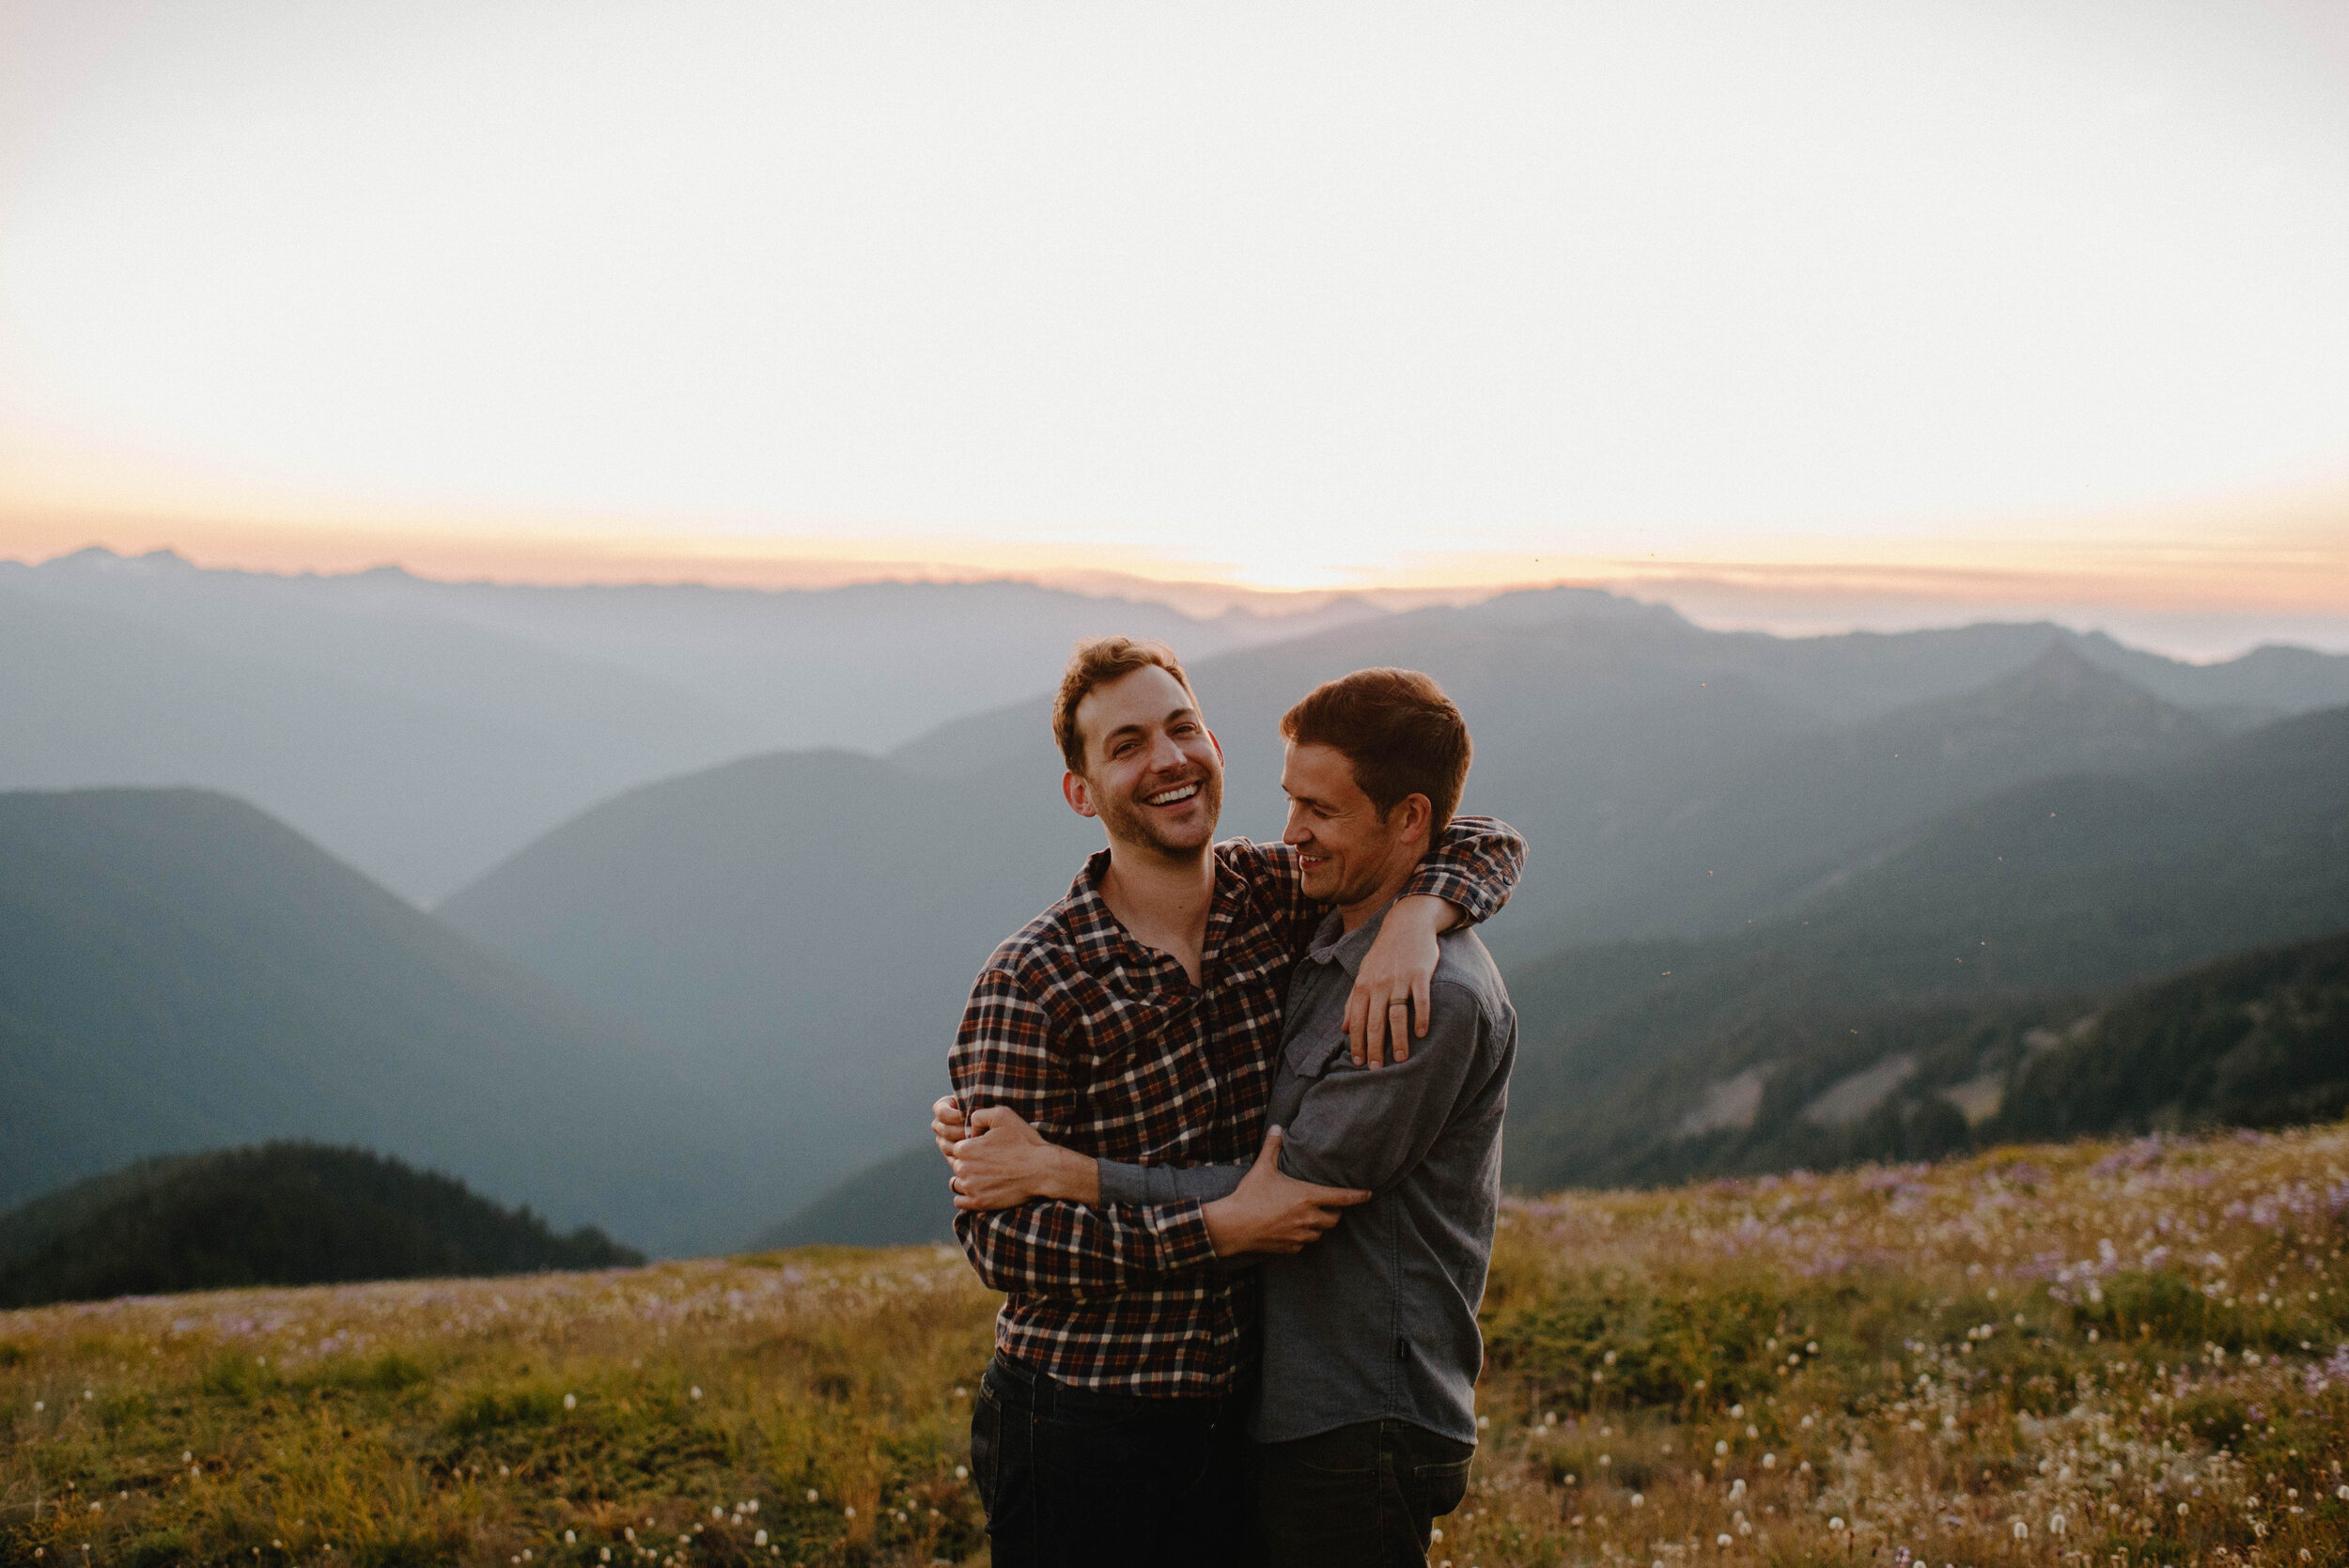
{"points": [[1002, 1163], [1003, 1056], [1466, 876], [1368, 1129]]}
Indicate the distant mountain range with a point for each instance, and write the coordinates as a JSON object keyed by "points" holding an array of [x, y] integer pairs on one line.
{"points": [[423, 731], [284, 1214], [802, 929], [180, 972], [708, 1001]]}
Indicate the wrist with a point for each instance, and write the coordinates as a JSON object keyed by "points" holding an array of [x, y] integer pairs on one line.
{"points": [[1429, 911], [1226, 1230], [1074, 1177]]}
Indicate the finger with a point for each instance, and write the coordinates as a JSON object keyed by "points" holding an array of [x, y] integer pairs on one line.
{"points": [[990, 1116], [1419, 1002], [1357, 1023]]}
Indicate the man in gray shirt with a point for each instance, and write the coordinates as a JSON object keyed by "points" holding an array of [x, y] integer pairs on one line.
{"points": [[1366, 1418]]}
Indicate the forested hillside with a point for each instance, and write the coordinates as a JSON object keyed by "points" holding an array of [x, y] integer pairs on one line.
{"points": [[1644, 1062], [283, 1214]]}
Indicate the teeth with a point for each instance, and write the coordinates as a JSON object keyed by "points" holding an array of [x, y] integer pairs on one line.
{"points": [[1168, 797]]}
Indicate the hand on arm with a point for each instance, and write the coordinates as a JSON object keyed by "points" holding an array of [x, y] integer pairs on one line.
{"points": [[1366, 1128], [1271, 1212], [1389, 997], [1008, 1162], [1005, 1161], [1007, 1054]]}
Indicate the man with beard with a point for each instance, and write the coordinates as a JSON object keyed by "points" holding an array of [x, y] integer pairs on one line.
{"points": [[1138, 1020]]}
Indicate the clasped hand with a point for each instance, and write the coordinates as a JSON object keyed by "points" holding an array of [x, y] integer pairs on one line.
{"points": [[999, 1160]]}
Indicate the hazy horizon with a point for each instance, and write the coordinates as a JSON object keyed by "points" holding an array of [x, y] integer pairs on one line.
{"points": [[1867, 315]]}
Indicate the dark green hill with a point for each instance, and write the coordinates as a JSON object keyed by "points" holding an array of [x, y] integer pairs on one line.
{"points": [[2258, 1040], [179, 970], [281, 1214], [1650, 1061], [899, 1202]]}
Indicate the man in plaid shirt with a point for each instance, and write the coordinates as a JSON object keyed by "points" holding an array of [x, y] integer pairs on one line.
{"points": [[1138, 1020]]}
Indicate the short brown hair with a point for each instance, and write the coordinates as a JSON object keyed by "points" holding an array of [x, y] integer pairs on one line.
{"points": [[1096, 662], [1399, 731]]}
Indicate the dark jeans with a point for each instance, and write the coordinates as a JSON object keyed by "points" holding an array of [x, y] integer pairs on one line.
{"points": [[1075, 1479], [1360, 1496]]}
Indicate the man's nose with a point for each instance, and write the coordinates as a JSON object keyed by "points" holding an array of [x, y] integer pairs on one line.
{"points": [[1294, 832], [1164, 753]]}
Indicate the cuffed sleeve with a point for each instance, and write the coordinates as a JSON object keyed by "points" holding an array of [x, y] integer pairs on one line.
{"points": [[1473, 865]]}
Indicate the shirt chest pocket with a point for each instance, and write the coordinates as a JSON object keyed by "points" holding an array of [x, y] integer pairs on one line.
{"points": [[1313, 1055]]}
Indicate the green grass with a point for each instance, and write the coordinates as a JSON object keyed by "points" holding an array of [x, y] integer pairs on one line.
{"points": [[1821, 1370]]}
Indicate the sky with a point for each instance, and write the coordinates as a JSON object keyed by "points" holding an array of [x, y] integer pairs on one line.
{"points": [[1852, 311]]}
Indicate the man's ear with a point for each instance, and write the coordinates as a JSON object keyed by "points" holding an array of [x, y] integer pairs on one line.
{"points": [[1419, 814], [1079, 795], [1216, 744]]}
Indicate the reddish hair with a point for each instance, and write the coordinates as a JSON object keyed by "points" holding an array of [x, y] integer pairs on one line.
{"points": [[1397, 729]]}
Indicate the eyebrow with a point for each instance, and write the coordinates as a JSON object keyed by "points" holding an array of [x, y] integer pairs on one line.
{"points": [[1136, 728]]}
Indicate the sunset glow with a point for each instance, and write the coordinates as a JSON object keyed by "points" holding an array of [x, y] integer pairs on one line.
{"points": [[1936, 303]]}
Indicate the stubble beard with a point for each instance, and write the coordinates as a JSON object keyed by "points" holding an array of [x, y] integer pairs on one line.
{"points": [[1130, 822]]}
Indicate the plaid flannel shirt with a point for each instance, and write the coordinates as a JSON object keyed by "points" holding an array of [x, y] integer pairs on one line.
{"points": [[1106, 1048]]}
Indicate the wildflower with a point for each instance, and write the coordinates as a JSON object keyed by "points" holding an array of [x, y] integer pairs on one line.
{"points": [[570, 1538], [1638, 1499], [1769, 1461], [811, 1491], [2022, 1530], [570, 1402], [1836, 1523], [696, 1391], [1724, 1539], [759, 1540]]}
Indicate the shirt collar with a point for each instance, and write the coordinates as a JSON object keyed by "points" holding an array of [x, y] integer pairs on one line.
{"points": [[1098, 932], [1333, 944]]}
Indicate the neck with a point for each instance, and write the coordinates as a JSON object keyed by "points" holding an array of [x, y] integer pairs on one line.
{"points": [[1353, 913], [1159, 887]]}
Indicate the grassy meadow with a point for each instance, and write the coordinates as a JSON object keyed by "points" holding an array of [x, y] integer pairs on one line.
{"points": [[2097, 1354]]}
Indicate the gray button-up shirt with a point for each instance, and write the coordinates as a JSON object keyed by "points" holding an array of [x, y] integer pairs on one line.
{"points": [[1377, 1320]]}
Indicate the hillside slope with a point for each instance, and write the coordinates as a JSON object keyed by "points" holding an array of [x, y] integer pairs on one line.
{"points": [[801, 929], [2059, 889], [179, 970], [283, 1214]]}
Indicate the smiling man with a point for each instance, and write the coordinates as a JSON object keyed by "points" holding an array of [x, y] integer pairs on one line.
{"points": [[1136, 1023], [1366, 1420]]}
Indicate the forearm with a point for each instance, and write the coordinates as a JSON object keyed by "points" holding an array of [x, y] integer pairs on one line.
{"points": [[1473, 865], [1150, 1186], [1057, 1248]]}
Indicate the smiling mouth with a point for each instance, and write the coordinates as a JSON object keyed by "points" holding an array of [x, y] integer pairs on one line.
{"points": [[1174, 797]]}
